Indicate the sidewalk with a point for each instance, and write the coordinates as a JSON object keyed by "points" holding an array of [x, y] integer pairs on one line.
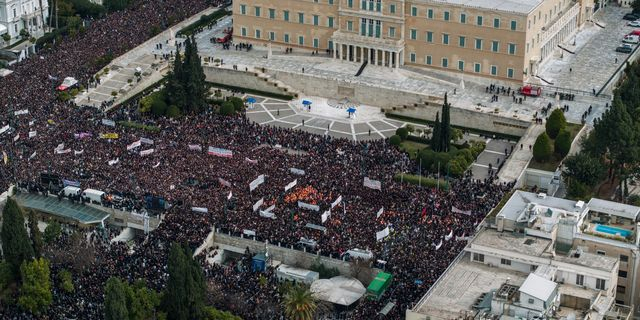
{"points": [[519, 160]]}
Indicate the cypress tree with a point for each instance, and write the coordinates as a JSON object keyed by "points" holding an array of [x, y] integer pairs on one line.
{"points": [[445, 127], [16, 246], [36, 235], [115, 300], [175, 90], [435, 137], [195, 286], [174, 299]]}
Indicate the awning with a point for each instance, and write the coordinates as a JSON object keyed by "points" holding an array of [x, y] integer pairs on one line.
{"points": [[251, 100]]}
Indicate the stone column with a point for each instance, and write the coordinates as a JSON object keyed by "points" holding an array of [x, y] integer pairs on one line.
{"points": [[384, 58], [375, 56], [397, 55], [335, 51]]}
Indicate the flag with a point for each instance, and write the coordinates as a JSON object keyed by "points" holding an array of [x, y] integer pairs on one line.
{"points": [[230, 195], [157, 165], [219, 152], [134, 145], [112, 162], [146, 152], [224, 182], [372, 184], [4, 157], [439, 245], [33, 155], [195, 147], [32, 134], [380, 212], [52, 77], [449, 236], [16, 137], [250, 161], [76, 153]]}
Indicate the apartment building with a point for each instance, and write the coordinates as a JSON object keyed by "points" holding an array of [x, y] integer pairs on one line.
{"points": [[504, 39]]}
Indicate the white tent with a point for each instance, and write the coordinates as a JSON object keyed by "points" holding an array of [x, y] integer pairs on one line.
{"points": [[339, 290]]}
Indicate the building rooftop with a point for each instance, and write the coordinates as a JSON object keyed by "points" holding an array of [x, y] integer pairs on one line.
{"points": [[520, 200], [515, 6], [530, 246], [458, 290], [614, 208], [538, 287], [590, 260]]}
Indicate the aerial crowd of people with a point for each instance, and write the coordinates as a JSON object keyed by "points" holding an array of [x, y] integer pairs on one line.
{"points": [[428, 227]]}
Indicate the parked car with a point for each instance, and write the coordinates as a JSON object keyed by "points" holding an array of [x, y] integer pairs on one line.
{"points": [[634, 23], [625, 48], [630, 17], [630, 38]]}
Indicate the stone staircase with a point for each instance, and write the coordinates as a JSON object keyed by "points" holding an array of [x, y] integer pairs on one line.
{"points": [[281, 86], [427, 101]]}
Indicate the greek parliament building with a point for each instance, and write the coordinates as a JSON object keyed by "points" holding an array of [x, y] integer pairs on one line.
{"points": [[502, 39]]}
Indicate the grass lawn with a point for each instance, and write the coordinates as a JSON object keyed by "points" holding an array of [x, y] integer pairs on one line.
{"points": [[552, 164], [411, 147]]}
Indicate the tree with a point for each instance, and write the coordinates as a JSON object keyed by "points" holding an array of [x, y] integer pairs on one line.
{"points": [[184, 296], [227, 109], [16, 246], [395, 140], [115, 5], [299, 304], [403, 133], [584, 168], [52, 231], [175, 90], [66, 281], [115, 300], [445, 126], [562, 144], [636, 6], [36, 235], [238, 104], [215, 314], [435, 137], [194, 78], [542, 149], [35, 293], [555, 123], [173, 111], [141, 301]]}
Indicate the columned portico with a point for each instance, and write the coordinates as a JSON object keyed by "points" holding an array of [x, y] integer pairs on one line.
{"points": [[376, 51]]}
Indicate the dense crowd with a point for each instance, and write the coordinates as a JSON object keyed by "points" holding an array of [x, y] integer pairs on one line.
{"points": [[428, 226]]}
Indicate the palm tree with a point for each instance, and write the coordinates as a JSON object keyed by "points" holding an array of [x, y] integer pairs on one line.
{"points": [[299, 304]]}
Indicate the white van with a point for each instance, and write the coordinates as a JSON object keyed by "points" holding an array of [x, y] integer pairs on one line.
{"points": [[93, 196], [631, 38], [69, 191]]}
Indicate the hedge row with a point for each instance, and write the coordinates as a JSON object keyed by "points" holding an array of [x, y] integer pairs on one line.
{"points": [[425, 182], [252, 91], [204, 21], [137, 125]]}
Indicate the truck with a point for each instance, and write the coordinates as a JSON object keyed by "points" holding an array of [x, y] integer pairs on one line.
{"points": [[531, 91], [70, 191], [92, 196]]}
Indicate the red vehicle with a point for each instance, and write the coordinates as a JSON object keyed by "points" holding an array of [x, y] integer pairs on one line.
{"points": [[635, 33], [222, 37], [531, 91]]}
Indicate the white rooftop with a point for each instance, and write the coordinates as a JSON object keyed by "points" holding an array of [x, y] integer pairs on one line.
{"points": [[521, 199], [515, 6], [538, 287], [614, 208]]}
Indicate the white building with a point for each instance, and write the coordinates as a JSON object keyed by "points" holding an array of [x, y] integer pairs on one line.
{"points": [[18, 15]]}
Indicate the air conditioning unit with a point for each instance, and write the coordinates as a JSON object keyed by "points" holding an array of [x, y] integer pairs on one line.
{"points": [[542, 195]]}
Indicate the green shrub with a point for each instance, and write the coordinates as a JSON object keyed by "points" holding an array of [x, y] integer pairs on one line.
{"points": [[395, 140], [555, 123], [542, 149], [425, 182], [158, 106], [634, 199], [52, 231], [324, 272], [440, 161], [428, 156], [562, 144], [227, 108], [173, 111], [466, 154], [136, 125], [578, 190], [73, 92], [403, 133], [238, 104], [66, 283], [457, 166], [64, 96]]}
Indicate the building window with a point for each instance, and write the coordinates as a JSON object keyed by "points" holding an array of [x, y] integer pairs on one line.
{"points": [[243, 31], [600, 252], [530, 300], [258, 34], [427, 60], [479, 20], [285, 13], [272, 36], [621, 289], [494, 70], [363, 4], [349, 25], [514, 25], [243, 9], [622, 274], [495, 46], [429, 13], [463, 18], [429, 37], [316, 42], [533, 268], [301, 40], [601, 284], [476, 256], [512, 48], [413, 34], [412, 57], [286, 38], [315, 19], [330, 22], [461, 41], [579, 280], [510, 73], [272, 14], [350, 3], [414, 11], [445, 64], [496, 23], [363, 27], [330, 45], [477, 68], [478, 44], [624, 258], [378, 28], [330, 2], [446, 16], [461, 68], [392, 8], [445, 38], [300, 17], [392, 32], [257, 11]]}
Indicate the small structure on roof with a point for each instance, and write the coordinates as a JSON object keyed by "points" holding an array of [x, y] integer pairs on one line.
{"points": [[339, 290]]}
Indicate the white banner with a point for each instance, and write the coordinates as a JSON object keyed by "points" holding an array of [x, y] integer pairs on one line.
{"points": [[32, 134], [439, 245], [146, 141], [156, 165], [33, 155], [308, 206], [249, 233], [449, 236], [23, 111], [224, 182], [372, 184], [31, 122], [230, 195], [267, 214], [255, 183], [250, 161], [199, 209], [382, 234], [112, 162], [290, 185], [380, 212], [326, 216], [63, 151], [273, 206], [16, 138], [77, 153], [337, 202], [59, 147], [146, 152], [456, 210], [297, 171], [134, 145], [195, 147], [257, 205], [4, 129], [108, 122]]}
